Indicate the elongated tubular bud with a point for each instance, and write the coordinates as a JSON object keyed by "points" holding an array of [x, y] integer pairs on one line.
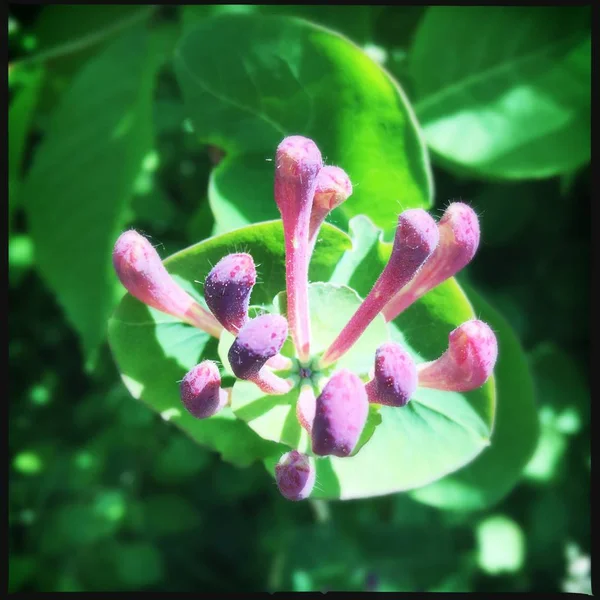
{"points": [[201, 391], [340, 416], [466, 364], [258, 341], [395, 379], [416, 238], [227, 290], [295, 475], [459, 240], [306, 407], [298, 162], [143, 274], [333, 188]]}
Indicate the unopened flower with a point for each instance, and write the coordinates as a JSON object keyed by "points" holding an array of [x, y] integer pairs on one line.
{"points": [[466, 364], [395, 378], [227, 290], [143, 274], [298, 162], [459, 239], [333, 188], [295, 475], [258, 341], [341, 413], [201, 391]]}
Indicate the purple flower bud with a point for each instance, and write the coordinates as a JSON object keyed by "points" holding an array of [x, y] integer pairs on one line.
{"points": [[333, 188], [459, 239], [340, 416], [295, 476], [298, 163], [143, 274], [416, 238], [258, 341], [201, 391], [395, 379], [466, 364], [227, 290], [306, 407]]}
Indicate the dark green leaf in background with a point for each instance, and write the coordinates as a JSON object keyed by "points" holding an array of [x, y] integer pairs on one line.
{"points": [[285, 76], [67, 36], [82, 178], [513, 98], [20, 118]]}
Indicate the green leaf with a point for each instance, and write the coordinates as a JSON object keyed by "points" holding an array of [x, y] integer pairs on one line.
{"points": [[437, 432], [20, 117], [512, 99], [154, 351], [138, 564], [67, 36], [83, 176], [294, 77], [168, 514], [564, 404], [497, 469]]}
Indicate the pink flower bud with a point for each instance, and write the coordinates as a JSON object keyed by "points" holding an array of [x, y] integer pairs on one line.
{"points": [[341, 413], [201, 391], [258, 341], [143, 274], [298, 163], [416, 238], [395, 379], [306, 407], [295, 476], [466, 364], [459, 239], [227, 290], [333, 188]]}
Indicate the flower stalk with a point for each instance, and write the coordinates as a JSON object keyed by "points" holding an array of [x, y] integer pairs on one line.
{"points": [[298, 162]]}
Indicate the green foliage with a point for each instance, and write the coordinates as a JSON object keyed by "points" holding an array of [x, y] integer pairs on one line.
{"points": [[104, 493], [82, 177], [512, 101], [20, 117], [300, 78]]}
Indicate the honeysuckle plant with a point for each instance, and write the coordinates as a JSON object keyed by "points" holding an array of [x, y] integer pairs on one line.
{"points": [[342, 392]]}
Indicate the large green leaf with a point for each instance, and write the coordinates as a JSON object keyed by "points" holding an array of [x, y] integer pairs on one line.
{"points": [[437, 432], [495, 471], [512, 98], [154, 351], [286, 76], [82, 178]]}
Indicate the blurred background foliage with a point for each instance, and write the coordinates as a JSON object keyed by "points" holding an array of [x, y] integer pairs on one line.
{"points": [[103, 494]]}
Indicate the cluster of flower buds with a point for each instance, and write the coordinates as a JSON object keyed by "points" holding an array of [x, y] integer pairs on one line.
{"points": [[424, 254]]}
